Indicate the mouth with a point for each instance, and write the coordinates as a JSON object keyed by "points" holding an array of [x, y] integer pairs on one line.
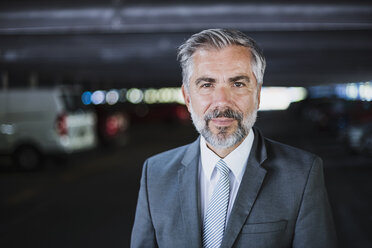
{"points": [[222, 121]]}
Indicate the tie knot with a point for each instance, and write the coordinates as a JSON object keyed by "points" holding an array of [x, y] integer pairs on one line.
{"points": [[223, 168]]}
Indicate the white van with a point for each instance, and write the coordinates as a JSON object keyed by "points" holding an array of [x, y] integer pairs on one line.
{"points": [[38, 122]]}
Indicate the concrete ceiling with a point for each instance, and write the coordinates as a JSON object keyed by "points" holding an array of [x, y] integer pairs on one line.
{"points": [[134, 43]]}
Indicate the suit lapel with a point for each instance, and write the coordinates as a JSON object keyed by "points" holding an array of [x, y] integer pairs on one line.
{"points": [[249, 188], [188, 194]]}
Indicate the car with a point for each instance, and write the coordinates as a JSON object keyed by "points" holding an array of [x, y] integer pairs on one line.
{"points": [[35, 123], [112, 126], [358, 138]]}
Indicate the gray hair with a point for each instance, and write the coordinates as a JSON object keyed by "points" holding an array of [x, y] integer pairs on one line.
{"points": [[218, 39]]}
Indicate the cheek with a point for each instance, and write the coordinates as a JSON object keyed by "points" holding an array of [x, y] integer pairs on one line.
{"points": [[247, 105], [200, 105]]}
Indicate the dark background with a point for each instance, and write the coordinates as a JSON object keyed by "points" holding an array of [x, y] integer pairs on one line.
{"points": [[111, 43], [89, 199]]}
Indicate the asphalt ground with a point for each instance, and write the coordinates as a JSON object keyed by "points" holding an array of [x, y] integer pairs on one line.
{"points": [[90, 200]]}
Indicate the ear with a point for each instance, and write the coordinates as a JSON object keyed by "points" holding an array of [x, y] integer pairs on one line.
{"points": [[259, 86], [186, 96]]}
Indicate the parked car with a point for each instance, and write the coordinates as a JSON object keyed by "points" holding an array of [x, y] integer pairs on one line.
{"points": [[358, 135], [160, 112], [359, 138], [39, 122], [112, 126], [327, 114]]}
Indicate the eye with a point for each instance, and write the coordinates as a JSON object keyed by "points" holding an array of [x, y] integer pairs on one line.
{"points": [[239, 84], [206, 85]]}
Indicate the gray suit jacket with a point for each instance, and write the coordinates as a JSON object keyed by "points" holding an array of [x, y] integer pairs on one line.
{"points": [[281, 202]]}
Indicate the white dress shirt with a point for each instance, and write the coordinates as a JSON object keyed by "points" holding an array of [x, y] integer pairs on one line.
{"points": [[209, 174]]}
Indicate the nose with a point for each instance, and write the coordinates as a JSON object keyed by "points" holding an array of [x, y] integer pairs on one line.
{"points": [[222, 97]]}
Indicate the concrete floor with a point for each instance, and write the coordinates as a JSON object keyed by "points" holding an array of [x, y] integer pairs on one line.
{"points": [[90, 201]]}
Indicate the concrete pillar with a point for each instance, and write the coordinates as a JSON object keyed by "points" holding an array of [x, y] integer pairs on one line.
{"points": [[34, 80], [4, 80]]}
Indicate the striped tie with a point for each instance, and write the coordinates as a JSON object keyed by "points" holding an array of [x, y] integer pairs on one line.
{"points": [[214, 224]]}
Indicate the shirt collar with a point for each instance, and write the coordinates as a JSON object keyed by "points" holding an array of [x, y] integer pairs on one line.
{"points": [[236, 160]]}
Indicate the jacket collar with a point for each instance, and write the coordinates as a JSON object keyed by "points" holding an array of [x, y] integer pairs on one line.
{"points": [[248, 191], [188, 179]]}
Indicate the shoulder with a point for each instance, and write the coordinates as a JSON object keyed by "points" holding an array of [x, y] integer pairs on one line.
{"points": [[290, 159], [279, 150], [290, 168], [169, 156], [171, 160]]}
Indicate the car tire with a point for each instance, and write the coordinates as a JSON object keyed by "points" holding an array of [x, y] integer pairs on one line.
{"points": [[28, 158]]}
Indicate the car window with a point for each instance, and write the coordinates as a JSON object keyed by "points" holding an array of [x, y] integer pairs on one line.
{"points": [[73, 102]]}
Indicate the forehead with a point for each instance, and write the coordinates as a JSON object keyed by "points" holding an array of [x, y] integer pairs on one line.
{"points": [[229, 58]]}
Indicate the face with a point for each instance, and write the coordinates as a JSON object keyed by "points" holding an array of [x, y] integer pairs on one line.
{"points": [[223, 95]]}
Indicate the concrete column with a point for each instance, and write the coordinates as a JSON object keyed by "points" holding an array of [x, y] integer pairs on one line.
{"points": [[4, 80], [34, 80]]}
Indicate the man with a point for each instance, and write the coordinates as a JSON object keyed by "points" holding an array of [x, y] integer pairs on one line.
{"points": [[231, 187]]}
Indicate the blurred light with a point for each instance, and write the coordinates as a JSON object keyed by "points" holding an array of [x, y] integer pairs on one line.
{"points": [[112, 97], [135, 95], [340, 91], [7, 129], [151, 96], [178, 97], [165, 95], [98, 97], [112, 125], [279, 98], [321, 91], [86, 97], [297, 94], [352, 91], [365, 91]]}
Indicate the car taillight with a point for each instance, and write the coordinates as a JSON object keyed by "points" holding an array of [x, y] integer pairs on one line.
{"points": [[112, 125], [61, 124]]}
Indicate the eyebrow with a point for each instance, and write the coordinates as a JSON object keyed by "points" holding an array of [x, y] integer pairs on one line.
{"points": [[204, 79], [238, 78], [212, 80]]}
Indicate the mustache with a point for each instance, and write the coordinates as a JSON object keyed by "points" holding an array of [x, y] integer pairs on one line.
{"points": [[228, 113]]}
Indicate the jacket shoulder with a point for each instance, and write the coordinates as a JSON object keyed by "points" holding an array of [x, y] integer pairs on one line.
{"points": [[289, 157], [166, 155], [167, 160]]}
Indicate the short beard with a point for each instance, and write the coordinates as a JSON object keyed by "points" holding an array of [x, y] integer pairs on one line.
{"points": [[223, 140]]}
